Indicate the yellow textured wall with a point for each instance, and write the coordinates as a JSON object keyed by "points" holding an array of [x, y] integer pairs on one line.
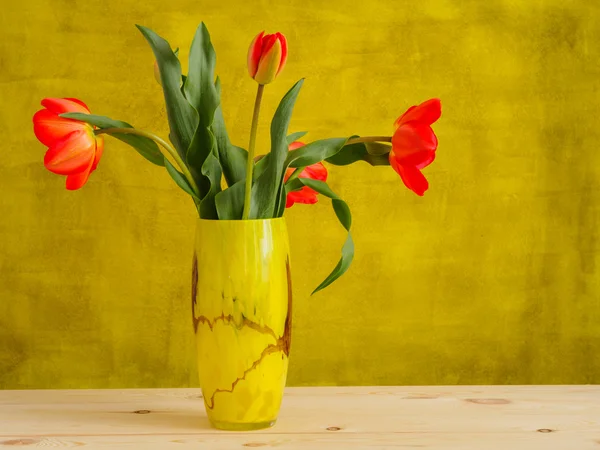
{"points": [[492, 277]]}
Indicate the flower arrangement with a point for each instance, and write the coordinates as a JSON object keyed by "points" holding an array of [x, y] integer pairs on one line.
{"points": [[225, 181]]}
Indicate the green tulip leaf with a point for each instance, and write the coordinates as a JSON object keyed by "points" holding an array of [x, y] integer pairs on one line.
{"points": [[293, 185], [267, 188], [211, 169], [342, 211], [202, 95], [218, 86], [179, 179], [295, 136], [233, 158], [289, 186], [260, 167], [352, 153], [314, 152], [183, 118], [183, 78], [281, 201], [144, 146], [230, 202]]}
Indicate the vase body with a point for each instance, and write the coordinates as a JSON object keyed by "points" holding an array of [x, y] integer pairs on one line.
{"points": [[242, 313]]}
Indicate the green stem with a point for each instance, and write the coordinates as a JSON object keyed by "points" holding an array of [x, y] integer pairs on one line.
{"points": [[369, 139], [168, 147], [296, 173], [251, 145]]}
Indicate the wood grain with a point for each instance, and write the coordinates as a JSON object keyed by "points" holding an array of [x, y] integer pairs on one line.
{"points": [[478, 418]]}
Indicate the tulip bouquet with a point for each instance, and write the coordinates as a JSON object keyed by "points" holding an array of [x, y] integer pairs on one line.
{"points": [[225, 181]]}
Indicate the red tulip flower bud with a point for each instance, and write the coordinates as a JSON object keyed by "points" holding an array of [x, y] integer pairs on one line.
{"points": [[414, 144], [266, 57]]}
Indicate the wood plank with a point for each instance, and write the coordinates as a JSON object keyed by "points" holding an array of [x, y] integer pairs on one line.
{"points": [[331, 441], [457, 417], [125, 395]]}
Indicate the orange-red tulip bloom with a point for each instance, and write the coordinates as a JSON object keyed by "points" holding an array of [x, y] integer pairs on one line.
{"points": [[305, 195], [414, 144], [266, 57], [73, 148]]}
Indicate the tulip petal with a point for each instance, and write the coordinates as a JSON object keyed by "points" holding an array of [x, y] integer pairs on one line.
{"points": [[254, 53], [316, 172], [427, 113], [267, 43], [77, 180], [288, 173], [269, 63], [294, 145], [412, 138], [411, 177], [306, 196], [72, 154], [418, 158], [426, 161], [414, 179], [99, 151], [398, 121], [394, 162], [50, 128], [76, 100], [65, 105], [284, 51]]}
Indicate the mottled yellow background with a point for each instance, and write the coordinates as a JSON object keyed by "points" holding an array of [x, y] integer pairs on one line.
{"points": [[492, 277]]}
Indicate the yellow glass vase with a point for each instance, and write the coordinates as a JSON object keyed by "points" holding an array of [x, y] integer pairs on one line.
{"points": [[242, 314]]}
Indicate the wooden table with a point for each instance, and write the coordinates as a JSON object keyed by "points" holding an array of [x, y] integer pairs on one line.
{"points": [[465, 418]]}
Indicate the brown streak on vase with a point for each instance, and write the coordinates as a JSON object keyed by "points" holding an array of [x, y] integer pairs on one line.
{"points": [[270, 349], [287, 331], [229, 319], [194, 291]]}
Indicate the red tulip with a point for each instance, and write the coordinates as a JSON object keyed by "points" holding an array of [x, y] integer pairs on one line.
{"points": [[414, 144], [74, 150], [266, 57], [305, 195]]}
